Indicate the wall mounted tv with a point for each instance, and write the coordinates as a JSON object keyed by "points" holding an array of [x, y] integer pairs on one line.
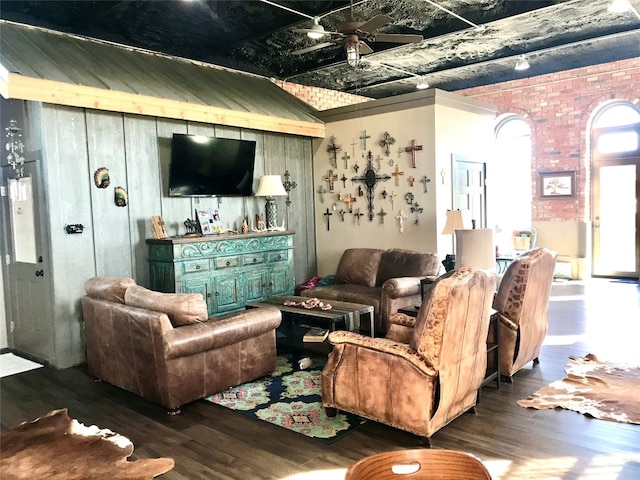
{"points": [[208, 166]]}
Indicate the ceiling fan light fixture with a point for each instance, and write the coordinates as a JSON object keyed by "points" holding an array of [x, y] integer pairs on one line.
{"points": [[422, 84], [480, 28], [353, 51], [317, 31], [522, 63]]}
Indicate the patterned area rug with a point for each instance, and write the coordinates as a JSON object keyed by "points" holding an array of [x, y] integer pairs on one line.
{"points": [[291, 399]]}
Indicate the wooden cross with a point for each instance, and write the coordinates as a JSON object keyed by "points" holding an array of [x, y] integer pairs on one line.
{"points": [[385, 142], [358, 215], [322, 191], [401, 218], [370, 179], [416, 208], [328, 215], [392, 195], [330, 178], [333, 150], [344, 180], [288, 186], [342, 212], [345, 157], [409, 197], [349, 201], [413, 149], [411, 180], [397, 174], [425, 180], [381, 213], [364, 137]]}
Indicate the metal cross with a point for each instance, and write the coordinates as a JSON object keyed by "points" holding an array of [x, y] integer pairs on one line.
{"points": [[358, 215], [409, 197], [345, 157], [392, 195], [288, 186], [344, 180], [381, 213], [356, 167], [384, 194], [360, 191], [392, 162], [322, 191], [353, 147], [424, 180], [397, 174], [370, 178], [413, 149], [411, 180], [328, 215], [379, 160], [364, 137], [342, 212], [330, 178], [385, 142], [349, 201], [333, 150], [415, 208]]}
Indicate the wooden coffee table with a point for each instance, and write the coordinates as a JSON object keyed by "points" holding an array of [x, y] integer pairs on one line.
{"points": [[296, 320]]}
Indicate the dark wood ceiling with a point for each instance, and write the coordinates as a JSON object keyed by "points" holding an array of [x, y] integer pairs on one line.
{"points": [[258, 37]]}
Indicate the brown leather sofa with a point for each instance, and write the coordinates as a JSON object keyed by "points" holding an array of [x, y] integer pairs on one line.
{"points": [[522, 304], [163, 347], [386, 279], [421, 386]]}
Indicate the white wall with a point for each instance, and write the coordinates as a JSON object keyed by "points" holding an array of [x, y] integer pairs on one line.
{"points": [[4, 343], [443, 123]]}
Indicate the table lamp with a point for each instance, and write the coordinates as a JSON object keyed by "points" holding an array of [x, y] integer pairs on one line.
{"points": [[271, 186], [455, 220]]}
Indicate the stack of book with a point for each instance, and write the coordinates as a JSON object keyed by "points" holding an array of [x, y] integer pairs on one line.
{"points": [[315, 335]]}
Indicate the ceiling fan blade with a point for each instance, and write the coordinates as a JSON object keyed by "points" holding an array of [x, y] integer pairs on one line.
{"points": [[394, 38], [311, 48], [364, 48], [307, 30], [375, 23]]}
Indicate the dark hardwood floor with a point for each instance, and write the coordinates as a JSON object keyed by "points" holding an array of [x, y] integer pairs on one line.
{"points": [[210, 442]]}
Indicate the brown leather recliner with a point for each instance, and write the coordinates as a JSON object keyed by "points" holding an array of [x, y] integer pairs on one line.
{"points": [[163, 347], [422, 386], [522, 303]]}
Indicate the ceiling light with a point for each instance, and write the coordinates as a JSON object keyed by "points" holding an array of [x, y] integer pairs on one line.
{"points": [[619, 6], [316, 31], [353, 50], [422, 84], [522, 64]]}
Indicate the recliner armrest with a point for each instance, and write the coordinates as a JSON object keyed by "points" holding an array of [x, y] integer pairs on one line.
{"points": [[402, 287], [218, 332]]}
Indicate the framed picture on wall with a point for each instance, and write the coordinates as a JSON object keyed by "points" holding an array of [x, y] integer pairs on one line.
{"points": [[557, 184]]}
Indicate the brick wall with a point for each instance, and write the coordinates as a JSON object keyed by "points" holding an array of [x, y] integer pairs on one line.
{"points": [[321, 98]]}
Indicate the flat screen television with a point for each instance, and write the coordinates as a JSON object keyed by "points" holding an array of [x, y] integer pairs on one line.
{"points": [[209, 166]]}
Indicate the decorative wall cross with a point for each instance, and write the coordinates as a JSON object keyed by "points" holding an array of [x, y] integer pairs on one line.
{"points": [[415, 208], [344, 180], [370, 178], [409, 197], [330, 178], [384, 194], [360, 191], [356, 167], [333, 150], [345, 157], [424, 181], [413, 149], [392, 195], [381, 214], [342, 212], [357, 214], [322, 191], [379, 160], [349, 201], [397, 174], [364, 137], [353, 147], [328, 215], [288, 186], [385, 142], [411, 180], [401, 218]]}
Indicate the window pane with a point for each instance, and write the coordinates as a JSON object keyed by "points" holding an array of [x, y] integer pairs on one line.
{"points": [[22, 220], [618, 142], [617, 115]]}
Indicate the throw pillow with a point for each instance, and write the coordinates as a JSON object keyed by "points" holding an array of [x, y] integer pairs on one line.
{"points": [[111, 289], [181, 308]]}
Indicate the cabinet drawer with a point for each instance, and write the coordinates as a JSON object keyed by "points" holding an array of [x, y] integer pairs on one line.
{"points": [[195, 266], [279, 256], [255, 259], [226, 262]]}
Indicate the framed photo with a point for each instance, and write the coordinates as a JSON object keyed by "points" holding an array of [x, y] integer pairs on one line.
{"points": [[209, 220], [557, 184]]}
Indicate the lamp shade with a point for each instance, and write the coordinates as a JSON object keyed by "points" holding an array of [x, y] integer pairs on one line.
{"points": [[475, 248], [271, 186], [456, 219]]}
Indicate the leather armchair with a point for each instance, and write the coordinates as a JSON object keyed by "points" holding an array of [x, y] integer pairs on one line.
{"points": [[521, 305], [421, 386]]}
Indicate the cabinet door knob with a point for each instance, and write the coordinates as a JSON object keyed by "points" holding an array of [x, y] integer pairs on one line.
{"points": [[197, 267], [228, 263], [255, 259], [217, 294], [208, 295]]}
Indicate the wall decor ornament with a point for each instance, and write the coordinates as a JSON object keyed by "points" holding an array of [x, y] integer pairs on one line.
{"points": [[345, 157], [330, 178], [364, 137], [424, 180], [358, 214], [397, 174], [121, 197], [370, 179], [409, 197], [322, 191], [412, 150], [288, 186], [349, 199], [411, 180], [557, 184], [385, 142], [101, 177], [15, 147], [381, 214], [392, 195], [401, 218], [341, 212], [344, 180], [328, 214]]}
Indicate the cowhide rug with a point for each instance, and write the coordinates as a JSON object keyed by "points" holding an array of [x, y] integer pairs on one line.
{"points": [[58, 447], [604, 390]]}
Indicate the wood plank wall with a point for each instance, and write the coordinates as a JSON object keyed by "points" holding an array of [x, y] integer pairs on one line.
{"points": [[137, 151]]}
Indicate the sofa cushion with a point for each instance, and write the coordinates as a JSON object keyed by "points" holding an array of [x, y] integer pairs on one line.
{"points": [[181, 308], [406, 263], [111, 289], [359, 266]]}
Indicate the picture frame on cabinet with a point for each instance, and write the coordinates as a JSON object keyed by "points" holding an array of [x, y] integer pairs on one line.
{"points": [[209, 220], [557, 184]]}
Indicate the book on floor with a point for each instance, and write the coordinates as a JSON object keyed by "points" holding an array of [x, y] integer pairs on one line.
{"points": [[315, 334]]}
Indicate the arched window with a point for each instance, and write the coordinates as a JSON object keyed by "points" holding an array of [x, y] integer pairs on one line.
{"points": [[510, 180], [611, 133]]}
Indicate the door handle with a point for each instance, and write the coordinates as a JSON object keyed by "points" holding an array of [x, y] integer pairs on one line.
{"points": [[40, 273], [596, 222]]}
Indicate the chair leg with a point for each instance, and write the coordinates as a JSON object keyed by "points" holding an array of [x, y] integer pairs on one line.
{"points": [[536, 361], [331, 412], [426, 442], [506, 378]]}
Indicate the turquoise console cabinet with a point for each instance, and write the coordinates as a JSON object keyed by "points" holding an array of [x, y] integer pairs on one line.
{"points": [[228, 270]]}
